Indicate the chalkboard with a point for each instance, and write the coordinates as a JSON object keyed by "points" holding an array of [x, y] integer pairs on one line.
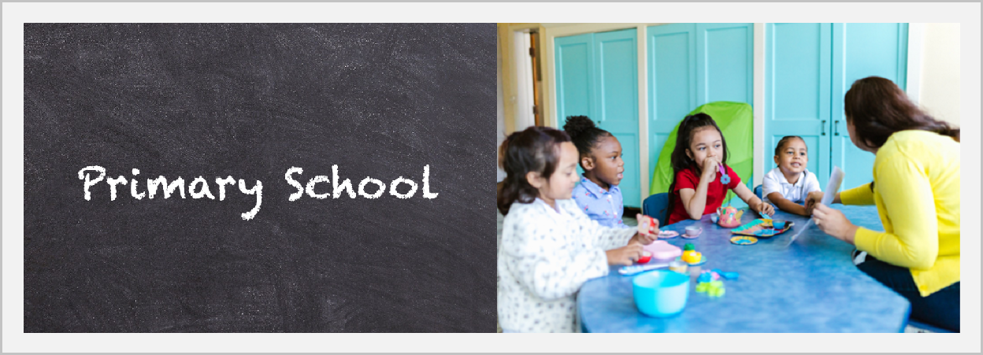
{"points": [[251, 101]]}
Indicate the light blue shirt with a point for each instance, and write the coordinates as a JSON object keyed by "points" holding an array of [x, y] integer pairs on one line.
{"points": [[605, 207]]}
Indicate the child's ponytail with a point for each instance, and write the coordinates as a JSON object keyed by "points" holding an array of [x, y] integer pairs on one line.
{"points": [[536, 149], [583, 133]]}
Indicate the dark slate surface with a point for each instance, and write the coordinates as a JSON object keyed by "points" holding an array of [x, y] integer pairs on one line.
{"points": [[251, 101], [810, 286]]}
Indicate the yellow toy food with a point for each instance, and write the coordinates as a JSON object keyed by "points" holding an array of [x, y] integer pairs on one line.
{"points": [[692, 256]]}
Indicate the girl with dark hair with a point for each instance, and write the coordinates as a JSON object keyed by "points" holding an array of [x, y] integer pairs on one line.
{"points": [[916, 171], [600, 157], [549, 248], [697, 189]]}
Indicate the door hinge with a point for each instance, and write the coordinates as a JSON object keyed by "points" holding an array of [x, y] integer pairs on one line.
{"points": [[532, 52]]}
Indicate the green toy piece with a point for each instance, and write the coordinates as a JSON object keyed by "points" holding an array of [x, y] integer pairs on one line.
{"points": [[702, 287], [688, 246], [712, 289]]}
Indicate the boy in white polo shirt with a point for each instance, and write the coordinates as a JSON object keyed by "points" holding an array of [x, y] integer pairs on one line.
{"points": [[788, 185]]}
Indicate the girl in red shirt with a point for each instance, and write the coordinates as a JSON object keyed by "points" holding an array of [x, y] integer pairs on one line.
{"points": [[697, 188]]}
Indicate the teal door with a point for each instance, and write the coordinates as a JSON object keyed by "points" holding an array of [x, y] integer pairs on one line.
{"points": [[797, 89], [617, 102], [597, 76], [809, 68], [725, 63], [693, 64], [574, 79], [861, 50], [671, 81]]}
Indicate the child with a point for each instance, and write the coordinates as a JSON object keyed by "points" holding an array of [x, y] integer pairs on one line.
{"points": [[549, 247], [600, 157], [790, 181], [697, 188]]}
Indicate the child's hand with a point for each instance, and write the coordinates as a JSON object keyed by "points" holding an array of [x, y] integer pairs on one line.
{"points": [[647, 235], [812, 199], [625, 255], [710, 165], [765, 208]]}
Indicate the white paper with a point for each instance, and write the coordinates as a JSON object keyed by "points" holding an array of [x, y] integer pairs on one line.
{"points": [[835, 179], [832, 186]]}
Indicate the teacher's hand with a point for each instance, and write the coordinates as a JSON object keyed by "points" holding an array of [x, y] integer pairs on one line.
{"points": [[834, 223]]}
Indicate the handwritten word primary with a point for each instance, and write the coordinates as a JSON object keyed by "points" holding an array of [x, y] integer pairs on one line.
{"points": [[199, 187]]}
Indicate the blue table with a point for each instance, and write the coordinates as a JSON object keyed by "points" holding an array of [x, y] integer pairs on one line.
{"points": [[810, 286]]}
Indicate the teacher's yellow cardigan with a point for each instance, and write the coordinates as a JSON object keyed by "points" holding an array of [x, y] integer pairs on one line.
{"points": [[916, 190]]}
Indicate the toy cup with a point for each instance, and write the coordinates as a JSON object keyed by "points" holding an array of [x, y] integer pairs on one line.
{"points": [[693, 231], [778, 224]]}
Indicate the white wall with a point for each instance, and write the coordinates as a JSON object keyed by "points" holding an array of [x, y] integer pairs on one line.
{"points": [[501, 115], [939, 91]]}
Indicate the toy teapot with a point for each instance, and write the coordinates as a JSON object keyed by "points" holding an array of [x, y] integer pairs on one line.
{"points": [[730, 217]]}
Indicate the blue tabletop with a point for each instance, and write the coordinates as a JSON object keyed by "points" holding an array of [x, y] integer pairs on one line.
{"points": [[810, 286]]}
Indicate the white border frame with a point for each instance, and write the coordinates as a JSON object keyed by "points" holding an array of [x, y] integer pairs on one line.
{"points": [[913, 79], [15, 14]]}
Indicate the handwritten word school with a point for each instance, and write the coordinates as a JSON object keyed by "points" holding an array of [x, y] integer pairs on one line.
{"points": [[199, 187]]}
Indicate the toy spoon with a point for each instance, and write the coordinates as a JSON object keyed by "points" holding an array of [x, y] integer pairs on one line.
{"points": [[724, 178], [634, 269]]}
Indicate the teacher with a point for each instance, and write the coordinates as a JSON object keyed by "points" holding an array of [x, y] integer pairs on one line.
{"points": [[916, 191]]}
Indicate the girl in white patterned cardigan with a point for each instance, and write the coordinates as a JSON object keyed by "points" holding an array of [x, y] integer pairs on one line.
{"points": [[549, 247]]}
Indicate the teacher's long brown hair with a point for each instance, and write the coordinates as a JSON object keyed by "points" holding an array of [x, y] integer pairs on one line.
{"points": [[878, 108]]}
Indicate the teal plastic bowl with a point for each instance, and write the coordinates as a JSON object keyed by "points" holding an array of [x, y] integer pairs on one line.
{"points": [[660, 293]]}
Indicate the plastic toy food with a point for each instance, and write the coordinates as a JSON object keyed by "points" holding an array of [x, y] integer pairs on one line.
{"points": [[645, 225], [646, 256], [662, 251], [678, 266], [709, 283], [712, 288], [692, 256], [730, 217]]}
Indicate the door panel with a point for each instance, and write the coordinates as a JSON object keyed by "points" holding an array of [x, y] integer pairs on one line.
{"points": [[861, 50], [724, 57], [574, 62], [797, 91], [617, 100], [671, 85], [597, 76]]}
